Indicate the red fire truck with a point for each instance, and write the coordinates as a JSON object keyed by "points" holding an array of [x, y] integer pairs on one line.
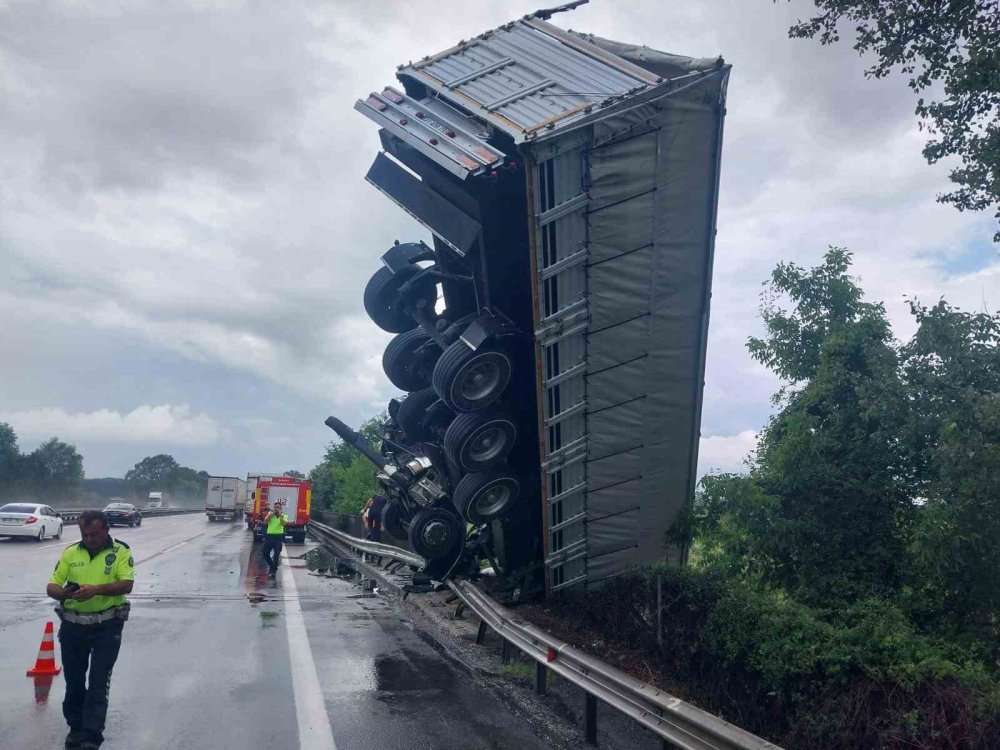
{"points": [[295, 497]]}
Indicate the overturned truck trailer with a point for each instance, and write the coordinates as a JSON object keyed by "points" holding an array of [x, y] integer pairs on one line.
{"points": [[552, 339]]}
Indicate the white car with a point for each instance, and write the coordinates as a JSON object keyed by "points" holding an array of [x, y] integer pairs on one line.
{"points": [[30, 519]]}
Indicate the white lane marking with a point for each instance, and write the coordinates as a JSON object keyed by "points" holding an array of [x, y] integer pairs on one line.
{"points": [[169, 549], [315, 732]]}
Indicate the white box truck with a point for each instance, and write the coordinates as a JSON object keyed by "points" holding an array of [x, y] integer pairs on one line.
{"points": [[221, 498]]}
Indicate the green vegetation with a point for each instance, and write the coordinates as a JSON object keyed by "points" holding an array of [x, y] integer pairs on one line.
{"points": [[162, 473], [845, 591], [950, 49], [344, 480], [51, 473]]}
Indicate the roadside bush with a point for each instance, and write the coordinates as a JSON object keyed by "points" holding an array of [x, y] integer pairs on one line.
{"points": [[857, 677]]}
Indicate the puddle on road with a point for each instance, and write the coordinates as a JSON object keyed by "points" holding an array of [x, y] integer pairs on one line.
{"points": [[43, 685], [268, 619], [411, 672]]}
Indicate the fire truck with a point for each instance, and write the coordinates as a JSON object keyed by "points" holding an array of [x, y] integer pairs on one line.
{"points": [[295, 498]]}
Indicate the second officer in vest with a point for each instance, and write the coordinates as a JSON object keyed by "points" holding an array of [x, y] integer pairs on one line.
{"points": [[274, 536]]}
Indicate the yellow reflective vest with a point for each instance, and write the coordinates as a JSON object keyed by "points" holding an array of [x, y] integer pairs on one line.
{"points": [[112, 563], [276, 524]]}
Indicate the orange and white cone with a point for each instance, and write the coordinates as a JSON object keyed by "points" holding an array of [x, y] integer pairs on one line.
{"points": [[46, 662]]}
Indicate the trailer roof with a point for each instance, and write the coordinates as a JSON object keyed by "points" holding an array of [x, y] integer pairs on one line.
{"points": [[531, 79]]}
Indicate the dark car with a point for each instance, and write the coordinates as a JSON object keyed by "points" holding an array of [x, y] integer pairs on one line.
{"points": [[124, 514]]}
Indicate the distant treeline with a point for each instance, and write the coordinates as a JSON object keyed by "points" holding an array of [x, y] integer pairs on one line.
{"points": [[53, 474]]}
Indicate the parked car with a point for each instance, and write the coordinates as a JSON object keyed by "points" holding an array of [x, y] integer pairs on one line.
{"points": [[123, 513], [31, 520]]}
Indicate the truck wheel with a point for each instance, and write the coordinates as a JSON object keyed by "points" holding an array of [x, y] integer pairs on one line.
{"points": [[413, 412], [392, 520], [405, 365], [299, 537], [479, 441], [468, 380], [486, 496], [436, 533], [387, 308]]}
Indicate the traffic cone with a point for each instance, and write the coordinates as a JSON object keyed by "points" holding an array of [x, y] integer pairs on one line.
{"points": [[46, 662]]}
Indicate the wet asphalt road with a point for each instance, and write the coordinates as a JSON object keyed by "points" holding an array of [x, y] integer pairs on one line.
{"points": [[203, 665]]}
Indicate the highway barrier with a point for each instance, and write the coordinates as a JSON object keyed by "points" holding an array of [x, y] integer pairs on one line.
{"points": [[678, 723], [73, 515]]}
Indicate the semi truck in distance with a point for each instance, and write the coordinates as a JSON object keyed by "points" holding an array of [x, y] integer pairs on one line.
{"points": [[225, 498], [155, 500], [549, 342]]}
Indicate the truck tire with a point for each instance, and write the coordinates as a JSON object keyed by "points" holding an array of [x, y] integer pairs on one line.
{"points": [[486, 496], [468, 380], [412, 414], [392, 520], [299, 537], [407, 368], [480, 440], [387, 308], [436, 534]]}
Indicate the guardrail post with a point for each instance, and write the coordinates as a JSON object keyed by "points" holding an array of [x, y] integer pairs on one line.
{"points": [[505, 652], [541, 673], [590, 719], [481, 633]]}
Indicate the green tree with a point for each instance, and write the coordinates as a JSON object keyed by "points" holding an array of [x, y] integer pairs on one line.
{"points": [[951, 47], [57, 462], [186, 482], [344, 479], [153, 473], [831, 458], [295, 474], [10, 455], [952, 368]]}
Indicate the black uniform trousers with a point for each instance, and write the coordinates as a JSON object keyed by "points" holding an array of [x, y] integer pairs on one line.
{"points": [[95, 647], [272, 550]]}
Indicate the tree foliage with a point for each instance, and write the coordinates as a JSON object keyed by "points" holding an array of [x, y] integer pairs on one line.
{"points": [[10, 455], [879, 475], [162, 473], [56, 461], [51, 473], [344, 480], [951, 47]]}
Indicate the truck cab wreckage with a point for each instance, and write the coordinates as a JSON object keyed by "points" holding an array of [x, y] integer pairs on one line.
{"points": [[552, 338]]}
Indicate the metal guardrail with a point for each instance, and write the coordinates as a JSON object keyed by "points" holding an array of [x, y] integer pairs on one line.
{"points": [[677, 722], [73, 515], [363, 545]]}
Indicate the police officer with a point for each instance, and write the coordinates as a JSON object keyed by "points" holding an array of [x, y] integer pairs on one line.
{"points": [[274, 536], [90, 582]]}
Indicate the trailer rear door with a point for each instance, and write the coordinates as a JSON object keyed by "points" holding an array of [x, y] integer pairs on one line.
{"points": [[229, 485], [213, 494]]}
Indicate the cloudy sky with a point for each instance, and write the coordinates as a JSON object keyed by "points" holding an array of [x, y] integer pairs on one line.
{"points": [[185, 230]]}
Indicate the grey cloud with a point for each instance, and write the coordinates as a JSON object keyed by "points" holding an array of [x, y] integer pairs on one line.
{"points": [[125, 97], [183, 184]]}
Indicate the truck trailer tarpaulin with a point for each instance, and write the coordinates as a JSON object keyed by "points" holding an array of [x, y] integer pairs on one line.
{"points": [[570, 184]]}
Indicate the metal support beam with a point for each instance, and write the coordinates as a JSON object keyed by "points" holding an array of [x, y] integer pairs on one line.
{"points": [[481, 633], [505, 652], [541, 675], [460, 611], [590, 719]]}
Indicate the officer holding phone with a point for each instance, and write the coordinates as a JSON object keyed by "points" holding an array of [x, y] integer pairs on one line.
{"points": [[274, 537], [90, 582]]}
